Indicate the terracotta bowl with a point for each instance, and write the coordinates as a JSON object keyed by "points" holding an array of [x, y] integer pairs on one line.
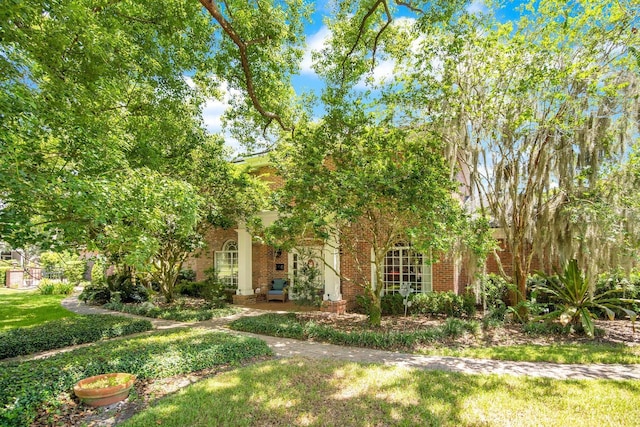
{"points": [[103, 396]]}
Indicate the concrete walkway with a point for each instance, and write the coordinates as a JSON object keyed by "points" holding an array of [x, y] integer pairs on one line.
{"points": [[285, 347]]}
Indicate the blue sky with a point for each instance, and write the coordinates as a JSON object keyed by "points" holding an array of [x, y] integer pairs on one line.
{"points": [[316, 35]]}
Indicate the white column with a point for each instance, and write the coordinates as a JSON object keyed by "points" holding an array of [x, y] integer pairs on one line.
{"points": [[331, 255], [245, 262]]}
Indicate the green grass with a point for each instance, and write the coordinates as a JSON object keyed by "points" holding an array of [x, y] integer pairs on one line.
{"points": [[29, 387], [27, 308], [299, 392], [584, 353]]}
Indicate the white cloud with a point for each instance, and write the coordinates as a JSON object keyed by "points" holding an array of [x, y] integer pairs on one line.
{"points": [[315, 43], [213, 110], [477, 7]]}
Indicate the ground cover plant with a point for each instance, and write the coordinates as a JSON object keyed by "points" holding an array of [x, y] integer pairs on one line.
{"points": [[67, 332], [187, 311], [617, 342], [36, 386], [296, 392], [291, 326], [26, 308]]}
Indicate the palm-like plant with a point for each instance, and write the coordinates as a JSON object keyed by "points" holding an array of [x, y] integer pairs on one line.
{"points": [[575, 303]]}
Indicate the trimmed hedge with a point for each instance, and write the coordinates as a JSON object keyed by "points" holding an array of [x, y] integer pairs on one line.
{"points": [[432, 303], [289, 326], [444, 303], [35, 385], [174, 313], [66, 332]]}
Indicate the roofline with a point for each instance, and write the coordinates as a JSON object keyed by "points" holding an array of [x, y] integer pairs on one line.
{"points": [[254, 160]]}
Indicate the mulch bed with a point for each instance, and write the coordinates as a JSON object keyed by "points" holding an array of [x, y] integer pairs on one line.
{"points": [[616, 331]]}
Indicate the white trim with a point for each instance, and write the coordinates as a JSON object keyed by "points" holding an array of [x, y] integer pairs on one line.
{"points": [[425, 273], [226, 263], [245, 261]]}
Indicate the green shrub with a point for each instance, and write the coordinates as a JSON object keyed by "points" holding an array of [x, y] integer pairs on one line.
{"points": [[46, 287], [210, 289], [191, 289], [307, 284], [66, 332], [494, 293], [3, 274], [127, 290], [176, 313], [625, 287], [28, 387], [289, 326], [443, 304], [363, 304], [392, 304], [186, 275], [95, 294], [51, 287]]}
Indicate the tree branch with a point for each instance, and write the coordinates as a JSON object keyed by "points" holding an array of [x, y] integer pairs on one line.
{"points": [[229, 30], [409, 6]]}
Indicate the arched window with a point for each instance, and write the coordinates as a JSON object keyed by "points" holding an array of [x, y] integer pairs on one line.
{"points": [[230, 245], [404, 265], [226, 264]]}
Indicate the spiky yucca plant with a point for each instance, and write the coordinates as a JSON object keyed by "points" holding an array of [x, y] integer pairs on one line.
{"points": [[575, 303]]}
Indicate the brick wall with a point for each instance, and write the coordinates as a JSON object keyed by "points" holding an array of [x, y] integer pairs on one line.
{"points": [[444, 276], [269, 175], [504, 253], [204, 258], [264, 260], [353, 275]]}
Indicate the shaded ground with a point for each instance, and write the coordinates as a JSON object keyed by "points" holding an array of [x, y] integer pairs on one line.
{"points": [[616, 331], [72, 413]]}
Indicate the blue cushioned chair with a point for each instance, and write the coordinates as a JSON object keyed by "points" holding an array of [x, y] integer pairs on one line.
{"points": [[278, 290]]}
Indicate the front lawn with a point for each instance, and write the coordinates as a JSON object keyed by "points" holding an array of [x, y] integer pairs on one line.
{"points": [[300, 392], [37, 388], [26, 308]]}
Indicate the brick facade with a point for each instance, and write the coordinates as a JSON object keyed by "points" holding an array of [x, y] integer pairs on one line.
{"points": [[355, 265], [204, 258]]}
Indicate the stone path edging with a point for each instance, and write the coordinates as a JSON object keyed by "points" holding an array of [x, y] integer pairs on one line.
{"points": [[285, 347]]}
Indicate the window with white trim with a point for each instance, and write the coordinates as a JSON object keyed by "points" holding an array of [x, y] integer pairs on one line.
{"points": [[226, 264], [404, 265]]}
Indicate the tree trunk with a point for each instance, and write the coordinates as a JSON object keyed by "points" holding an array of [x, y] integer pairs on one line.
{"points": [[520, 270]]}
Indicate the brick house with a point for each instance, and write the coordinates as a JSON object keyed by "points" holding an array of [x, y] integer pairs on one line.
{"points": [[249, 266]]}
